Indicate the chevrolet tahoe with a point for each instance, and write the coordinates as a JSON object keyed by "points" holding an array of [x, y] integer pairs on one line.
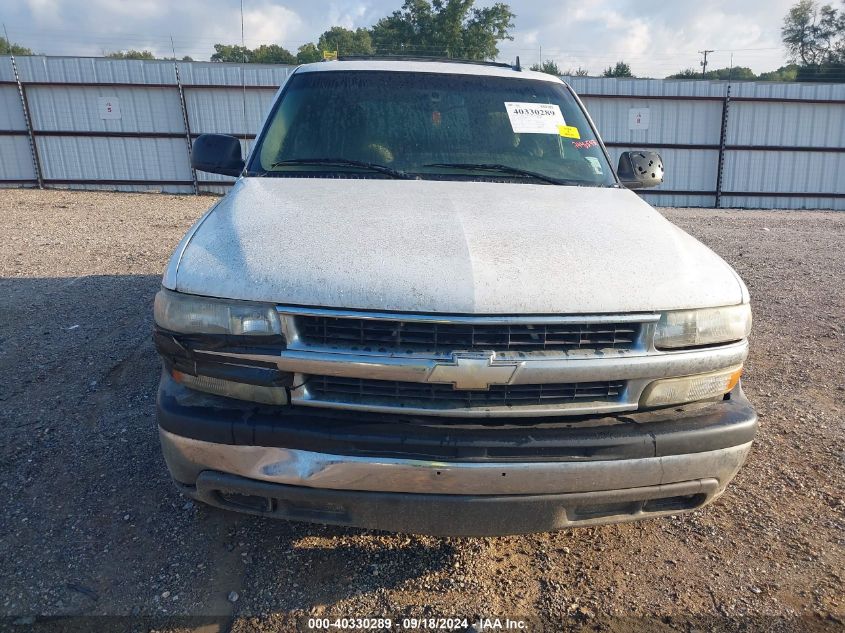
{"points": [[430, 304]]}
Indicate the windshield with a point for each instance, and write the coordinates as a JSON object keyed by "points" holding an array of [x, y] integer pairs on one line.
{"points": [[430, 125]]}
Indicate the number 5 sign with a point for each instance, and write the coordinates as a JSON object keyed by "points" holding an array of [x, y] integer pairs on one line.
{"points": [[108, 107], [638, 118]]}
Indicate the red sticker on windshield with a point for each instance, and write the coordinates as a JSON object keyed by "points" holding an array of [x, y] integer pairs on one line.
{"points": [[585, 144]]}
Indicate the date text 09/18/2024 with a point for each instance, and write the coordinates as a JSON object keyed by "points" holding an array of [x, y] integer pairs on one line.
{"points": [[416, 624]]}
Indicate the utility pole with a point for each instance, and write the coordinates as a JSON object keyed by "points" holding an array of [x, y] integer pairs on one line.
{"points": [[704, 62]]}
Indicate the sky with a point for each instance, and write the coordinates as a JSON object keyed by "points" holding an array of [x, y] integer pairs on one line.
{"points": [[654, 38]]}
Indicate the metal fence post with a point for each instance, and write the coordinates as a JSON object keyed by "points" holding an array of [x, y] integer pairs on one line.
{"points": [[187, 123], [722, 140], [33, 148]]}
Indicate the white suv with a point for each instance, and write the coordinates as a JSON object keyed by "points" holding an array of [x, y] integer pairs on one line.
{"points": [[429, 304]]}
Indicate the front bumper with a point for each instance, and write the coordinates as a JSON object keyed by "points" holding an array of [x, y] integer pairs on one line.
{"points": [[450, 477]]}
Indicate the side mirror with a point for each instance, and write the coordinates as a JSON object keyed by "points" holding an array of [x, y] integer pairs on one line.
{"points": [[638, 170], [217, 154]]}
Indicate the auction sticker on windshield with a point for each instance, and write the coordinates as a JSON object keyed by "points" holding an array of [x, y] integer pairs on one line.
{"points": [[534, 118]]}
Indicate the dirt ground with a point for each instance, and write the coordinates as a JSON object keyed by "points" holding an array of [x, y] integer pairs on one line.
{"points": [[91, 525]]}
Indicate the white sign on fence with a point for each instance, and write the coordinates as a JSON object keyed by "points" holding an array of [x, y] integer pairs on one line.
{"points": [[638, 118], [108, 107]]}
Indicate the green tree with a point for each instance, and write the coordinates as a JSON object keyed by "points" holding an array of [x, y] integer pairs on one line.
{"points": [[740, 73], [231, 53], [272, 54], [547, 66], [784, 73], [346, 41], [621, 69], [552, 68], [814, 35], [10, 48], [450, 28], [308, 54], [131, 54], [686, 73], [833, 72], [264, 54], [737, 73]]}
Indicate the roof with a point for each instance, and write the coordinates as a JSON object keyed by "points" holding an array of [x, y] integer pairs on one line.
{"points": [[417, 66]]}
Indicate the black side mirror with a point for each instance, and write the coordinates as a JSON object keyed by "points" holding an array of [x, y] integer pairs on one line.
{"points": [[217, 154], [640, 169]]}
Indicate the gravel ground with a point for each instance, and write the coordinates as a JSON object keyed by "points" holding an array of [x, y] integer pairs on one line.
{"points": [[91, 525]]}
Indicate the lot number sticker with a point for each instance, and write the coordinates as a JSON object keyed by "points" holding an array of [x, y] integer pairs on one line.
{"points": [[108, 107], [534, 118]]}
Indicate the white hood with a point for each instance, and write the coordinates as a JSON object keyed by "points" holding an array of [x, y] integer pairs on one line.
{"points": [[447, 246]]}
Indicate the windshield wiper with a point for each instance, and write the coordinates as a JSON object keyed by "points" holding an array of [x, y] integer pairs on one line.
{"points": [[346, 162], [506, 169]]}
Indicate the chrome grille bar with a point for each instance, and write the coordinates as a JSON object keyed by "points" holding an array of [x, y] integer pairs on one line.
{"points": [[339, 332], [444, 396], [438, 334], [472, 319]]}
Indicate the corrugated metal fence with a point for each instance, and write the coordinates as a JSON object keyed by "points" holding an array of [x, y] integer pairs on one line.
{"points": [[126, 124], [743, 144], [123, 124]]}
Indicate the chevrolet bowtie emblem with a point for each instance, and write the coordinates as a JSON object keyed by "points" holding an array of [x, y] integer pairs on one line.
{"points": [[470, 370]]}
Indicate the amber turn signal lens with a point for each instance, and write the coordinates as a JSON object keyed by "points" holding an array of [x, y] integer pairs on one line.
{"points": [[734, 379], [690, 388]]}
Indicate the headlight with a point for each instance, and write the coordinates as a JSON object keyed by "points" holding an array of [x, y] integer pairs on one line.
{"points": [[190, 314], [690, 388], [690, 328]]}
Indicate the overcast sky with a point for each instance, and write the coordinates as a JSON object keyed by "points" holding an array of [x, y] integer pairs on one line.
{"points": [[655, 38]]}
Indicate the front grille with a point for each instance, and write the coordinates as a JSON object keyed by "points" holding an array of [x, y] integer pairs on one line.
{"points": [[415, 394], [378, 335]]}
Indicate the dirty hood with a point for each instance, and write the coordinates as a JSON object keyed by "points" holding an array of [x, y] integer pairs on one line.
{"points": [[446, 246]]}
